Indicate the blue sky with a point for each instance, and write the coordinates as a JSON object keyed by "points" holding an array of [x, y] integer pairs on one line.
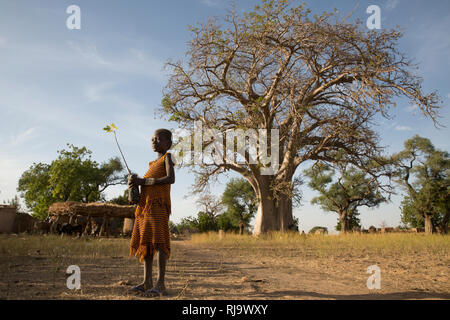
{"points": [[61, 86]]}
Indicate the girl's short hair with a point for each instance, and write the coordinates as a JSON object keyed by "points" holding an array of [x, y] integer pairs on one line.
{"points": [[166, 133]]}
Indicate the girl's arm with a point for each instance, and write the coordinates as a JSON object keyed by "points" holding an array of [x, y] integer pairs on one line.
{"points": [[168, 179], [170, 174]]}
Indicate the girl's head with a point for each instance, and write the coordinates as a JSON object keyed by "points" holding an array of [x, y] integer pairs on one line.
{"points": [[162, 140]]}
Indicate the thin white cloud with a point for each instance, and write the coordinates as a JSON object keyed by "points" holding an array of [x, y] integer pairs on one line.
{"points": [[413, 109], [134, 62], [139, 54], [104, 93], [387, 123], [96, 92], [22, 137], [392, 4], [89, 53], [433, 53], [403, 128], [211, 3], [82, 57]]}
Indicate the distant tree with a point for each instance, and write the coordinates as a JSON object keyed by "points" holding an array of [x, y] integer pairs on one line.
{"points": [[210, 205], [75, 176], [122, 199], [206, 222], [354, 221], [34, 185], [227, 223], [353, 189], [241, 203], [202, 223], [424, 173], [188, 224], [72, 176], [409, 216], [173, 228]]}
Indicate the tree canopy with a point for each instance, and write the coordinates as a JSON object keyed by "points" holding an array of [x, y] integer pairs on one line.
{"points": [[424, 173], [121, 199], [240, 200], [202, 223], [353, 222], [352, 189], [318, 80], [72, 176]]}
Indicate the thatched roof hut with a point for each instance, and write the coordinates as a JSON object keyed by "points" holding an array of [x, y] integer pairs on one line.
{"points": [[95, 209]]}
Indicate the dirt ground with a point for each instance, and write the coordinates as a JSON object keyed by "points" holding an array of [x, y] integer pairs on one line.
{"points": [[210, 272]]}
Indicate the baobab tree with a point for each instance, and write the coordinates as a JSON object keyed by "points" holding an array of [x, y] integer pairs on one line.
{"points": [[319, 81]]}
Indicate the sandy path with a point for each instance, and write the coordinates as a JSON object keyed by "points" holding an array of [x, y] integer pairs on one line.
{"points": [[200, 272]]}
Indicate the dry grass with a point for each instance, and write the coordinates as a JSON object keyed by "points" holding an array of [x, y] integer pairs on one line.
{"points": [[273, 266], [320, 245], [326, 245], [57, 246]]}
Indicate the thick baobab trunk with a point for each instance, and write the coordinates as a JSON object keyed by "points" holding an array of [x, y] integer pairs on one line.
{"points": [[284, 209], [266, 217], [272, 215], [428, 224], [345, 222]]}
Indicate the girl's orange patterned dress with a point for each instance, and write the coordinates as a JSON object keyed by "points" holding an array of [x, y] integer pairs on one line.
{"points": [[151, 224]]}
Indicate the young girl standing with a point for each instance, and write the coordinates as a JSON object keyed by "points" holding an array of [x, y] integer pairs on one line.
{"points": [[151, 225]]}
